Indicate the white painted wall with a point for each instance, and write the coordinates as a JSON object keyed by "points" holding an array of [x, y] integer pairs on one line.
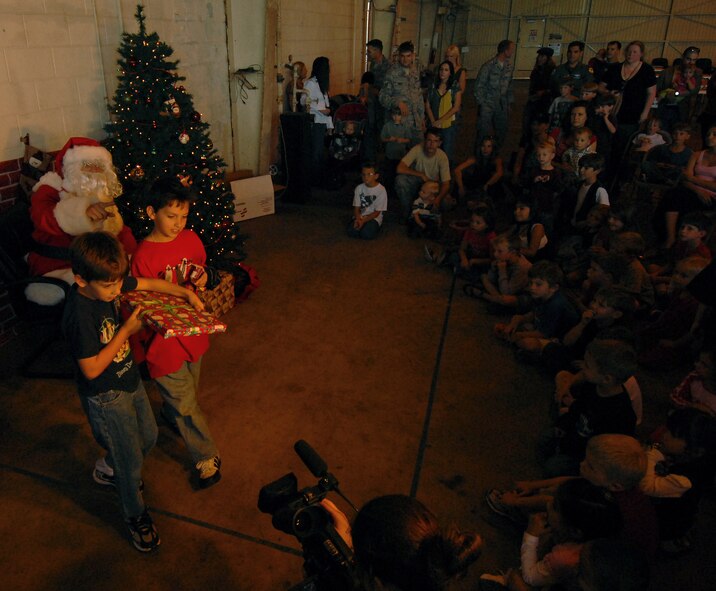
{"points": [[58, 65], [51, 82]]}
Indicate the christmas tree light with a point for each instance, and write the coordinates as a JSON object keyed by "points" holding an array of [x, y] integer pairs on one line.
{"points": [[157, 133]]}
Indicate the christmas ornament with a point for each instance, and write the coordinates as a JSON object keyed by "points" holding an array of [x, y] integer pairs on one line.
{"points": [[154, 125], [196, 116], [132, 62], [185, 180], [168, 105], [137, 173], [184, 137]]}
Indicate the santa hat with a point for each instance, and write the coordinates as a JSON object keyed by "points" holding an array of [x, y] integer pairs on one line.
{"points": [[78, 149]]}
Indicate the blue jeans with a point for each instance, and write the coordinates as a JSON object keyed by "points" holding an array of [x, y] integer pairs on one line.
{"points": [[124, 425], [406, 188], [368, 232], [179, 390]]}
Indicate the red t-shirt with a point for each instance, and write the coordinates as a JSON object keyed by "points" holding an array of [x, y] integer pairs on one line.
{"points": [[154, 259]]}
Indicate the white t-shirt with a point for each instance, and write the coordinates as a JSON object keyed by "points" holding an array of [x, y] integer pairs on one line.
{"points": [[316, 100], [371, 199]]}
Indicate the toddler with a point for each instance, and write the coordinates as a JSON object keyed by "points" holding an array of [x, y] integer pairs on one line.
{"points": [[652, 136], [544, 184], [370, 202], [581, 146], [425, 220]]}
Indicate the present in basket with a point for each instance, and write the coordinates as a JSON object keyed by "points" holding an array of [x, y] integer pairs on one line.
{"points": [[221, 298], [172, 316]]}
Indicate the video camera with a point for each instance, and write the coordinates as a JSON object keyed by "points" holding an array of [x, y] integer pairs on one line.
{"points": [[329, 562]]}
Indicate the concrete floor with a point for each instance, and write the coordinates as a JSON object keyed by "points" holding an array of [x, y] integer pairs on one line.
{"points": [[364, 350]]}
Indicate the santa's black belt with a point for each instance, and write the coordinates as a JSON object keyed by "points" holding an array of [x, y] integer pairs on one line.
{"points": [[52, 252]]}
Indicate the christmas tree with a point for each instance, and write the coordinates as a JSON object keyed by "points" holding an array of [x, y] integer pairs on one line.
{"points": [[155, 133]]}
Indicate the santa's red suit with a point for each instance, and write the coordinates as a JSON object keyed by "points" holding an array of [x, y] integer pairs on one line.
{"points": [[59, 213]]}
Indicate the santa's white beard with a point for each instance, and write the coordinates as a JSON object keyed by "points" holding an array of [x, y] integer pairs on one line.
{"points": [[102, 186]]}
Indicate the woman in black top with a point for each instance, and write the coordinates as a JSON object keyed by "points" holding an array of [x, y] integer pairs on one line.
{"points": [[635, 83]]}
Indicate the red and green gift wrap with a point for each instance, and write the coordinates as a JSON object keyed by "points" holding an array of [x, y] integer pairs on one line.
{"points": [[172, 316]]}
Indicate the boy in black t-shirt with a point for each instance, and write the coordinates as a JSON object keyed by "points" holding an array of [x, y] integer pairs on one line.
{"points": [[599, 405], [108, 381]]}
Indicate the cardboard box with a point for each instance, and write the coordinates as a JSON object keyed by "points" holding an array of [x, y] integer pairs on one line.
{"points": [[253, 197]]}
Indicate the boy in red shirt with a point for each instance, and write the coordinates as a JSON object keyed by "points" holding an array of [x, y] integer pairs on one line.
{"points": [[173, 253]]}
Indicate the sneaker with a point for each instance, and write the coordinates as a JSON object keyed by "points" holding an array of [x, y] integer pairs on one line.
{"points": [[428, 254], [209, 471], [104, 474], [144, 535]]}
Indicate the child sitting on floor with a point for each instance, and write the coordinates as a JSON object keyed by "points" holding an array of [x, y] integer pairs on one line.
{"points": [[665, 342], [637, 282], [619, 219], [552, 542], [507, 279], [530, 231], [550, 317], [475, 250], [425, 220], [370, 202], [608, 308], [579, 202], [698, 389], [599, 405], [681, 465]]}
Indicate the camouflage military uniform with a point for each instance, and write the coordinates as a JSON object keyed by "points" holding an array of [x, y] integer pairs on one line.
{"points": [[400, 84], [493, 92]]}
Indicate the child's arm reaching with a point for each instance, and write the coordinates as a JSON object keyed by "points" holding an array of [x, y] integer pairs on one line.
{"points": [[150, 284], [93, 367]]}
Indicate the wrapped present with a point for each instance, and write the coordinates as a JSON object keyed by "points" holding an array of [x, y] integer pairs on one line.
{"points": [[222, 298], [172, 316]]}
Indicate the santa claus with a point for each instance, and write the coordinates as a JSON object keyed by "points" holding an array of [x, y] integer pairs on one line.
{"points": [[77, 200]]}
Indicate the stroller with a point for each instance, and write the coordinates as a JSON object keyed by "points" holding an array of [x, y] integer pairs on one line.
{"points": [[349, 121]]}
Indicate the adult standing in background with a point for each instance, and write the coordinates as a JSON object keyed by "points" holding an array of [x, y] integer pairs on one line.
{"points": [[401, 88], [442, 106], [378, 66], [678, 87], [612, 56], [316, 101], [634, 83], [493, 92], [452, 54], [539, 97], [573, 70]]}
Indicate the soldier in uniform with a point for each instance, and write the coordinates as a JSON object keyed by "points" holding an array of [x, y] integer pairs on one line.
{"points": [[573, 69], [371, 84], [401, 88], [493, 93]]}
